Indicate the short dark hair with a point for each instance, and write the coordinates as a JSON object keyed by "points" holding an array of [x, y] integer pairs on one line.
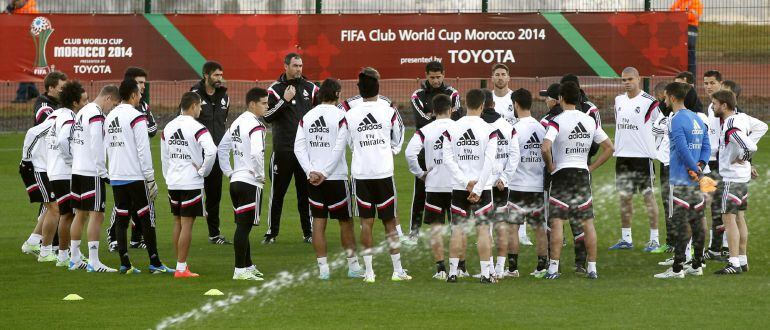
{"points": [[368, 82], [329, 91], [489, 99], [188, 99], [52, 79], [441, 104], [434, 66], [127, 88], [371, 72], [110, 90], [474, 98], [500, 66], [71, 92], [733, 86], [290, 56], [713, 73], [570, 77], [523, 98], [687, 76], [677, 90], [255, 94], [211, 66], [133, 72], [660, 87], [726, 97], [570, 92]]}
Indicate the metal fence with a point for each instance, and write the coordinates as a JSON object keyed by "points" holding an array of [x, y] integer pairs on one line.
{"points": [[731, 10], [734, 38]]}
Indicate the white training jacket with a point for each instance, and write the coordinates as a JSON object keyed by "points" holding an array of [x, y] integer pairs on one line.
{"points": [[187, 153], [246, 140], [470, 147], [87, 144], [128, 145], [320, 142]]}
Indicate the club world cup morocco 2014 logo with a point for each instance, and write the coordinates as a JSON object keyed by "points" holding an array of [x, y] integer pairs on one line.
{"points": [[40, 30]]}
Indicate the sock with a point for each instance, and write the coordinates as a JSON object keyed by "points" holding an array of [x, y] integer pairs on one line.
{"points": [[592, 266], [93, 253], [553, 267], [46, 250], [368, 265], [396, 258], [654, 235], [743, 259], [121, 229], [484, 268], [63, 254], [513, 261], [34, 239], [181, 266], [491, 265], [625, 235], [75, 250], [542, 262], [688, 251], [453, 265], [724, 241], [353, 264], [399, 230], [440, 267], [150, 239], [523, 230], [711, 237], [323, 267], [734, 261], [461, 266], [241, 244], [500, 267]]}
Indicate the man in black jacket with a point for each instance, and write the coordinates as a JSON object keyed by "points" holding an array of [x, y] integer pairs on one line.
{"points": [[48, 101], [691, 100], [289, 99], [215, 104], [422, 107]]}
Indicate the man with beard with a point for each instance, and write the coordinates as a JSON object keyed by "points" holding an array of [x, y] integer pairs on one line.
{"points": [[215, 104]]}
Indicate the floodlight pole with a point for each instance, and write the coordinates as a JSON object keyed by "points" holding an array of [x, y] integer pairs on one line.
{"points": [[646, 80], [484, 9]]}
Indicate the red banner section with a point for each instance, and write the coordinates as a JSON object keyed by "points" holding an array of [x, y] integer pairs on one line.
{"points": [[251, 47]]}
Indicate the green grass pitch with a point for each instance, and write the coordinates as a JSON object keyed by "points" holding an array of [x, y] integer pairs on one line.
{"points": [[626, 295]]}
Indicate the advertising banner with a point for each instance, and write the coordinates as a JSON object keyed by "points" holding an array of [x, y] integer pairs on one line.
{"points": [[252, 47]]}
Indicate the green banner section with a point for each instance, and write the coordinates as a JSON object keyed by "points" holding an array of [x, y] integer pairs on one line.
{"points": [[178, 41], [581, 46]]}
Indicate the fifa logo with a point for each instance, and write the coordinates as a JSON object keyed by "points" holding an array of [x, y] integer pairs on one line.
{"points": [[40, 30]]}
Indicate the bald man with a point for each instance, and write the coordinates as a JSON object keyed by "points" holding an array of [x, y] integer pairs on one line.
{"points": [[635, 149]]}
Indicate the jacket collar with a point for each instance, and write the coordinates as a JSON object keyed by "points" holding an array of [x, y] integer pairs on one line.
{"points": [[201, 87], [282, 79], [490, 115], [49, 99], [429, 89]]}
